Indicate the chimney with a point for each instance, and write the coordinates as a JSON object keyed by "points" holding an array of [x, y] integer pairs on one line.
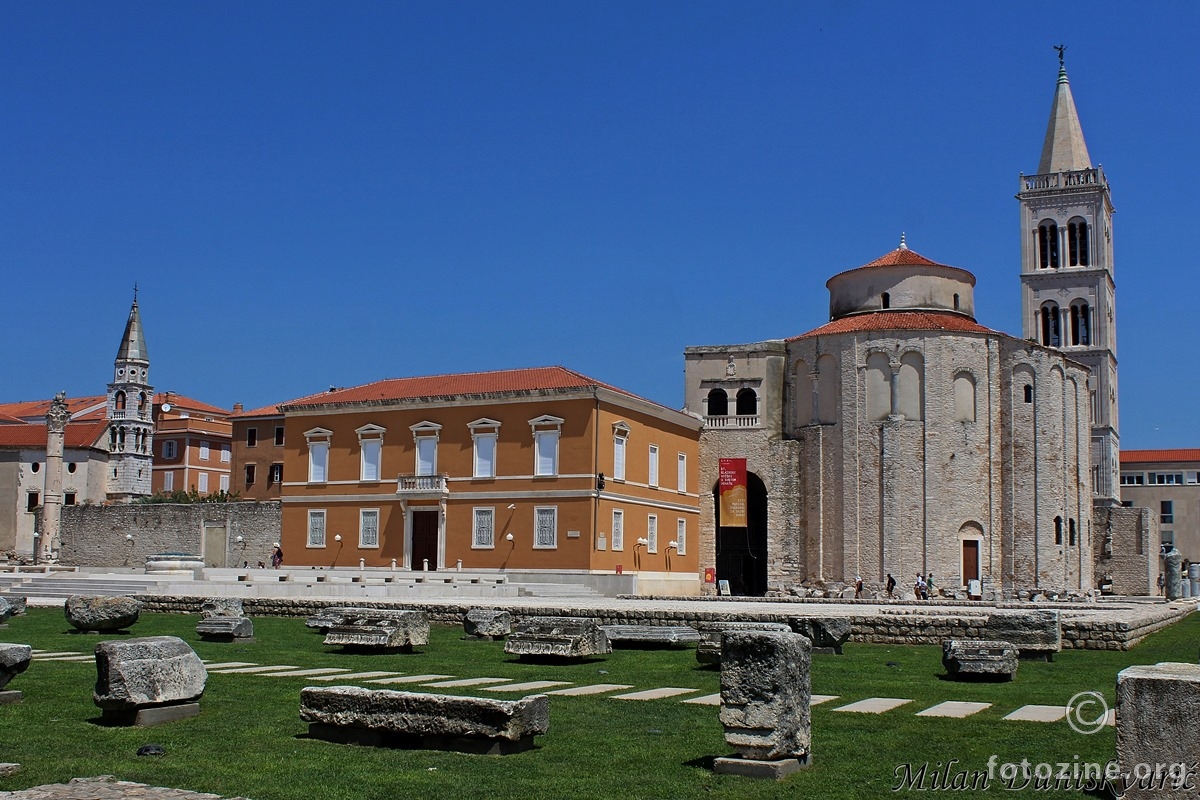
{"points": [[237, 408]]}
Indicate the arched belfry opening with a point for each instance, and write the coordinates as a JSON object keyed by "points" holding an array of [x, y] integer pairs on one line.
{"points": [[742, 552]]}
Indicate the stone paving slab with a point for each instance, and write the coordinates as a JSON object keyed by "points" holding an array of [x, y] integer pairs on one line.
{"points": [[229, 665], [357, 676], [817, 699], [38, 654], [410, 679], [467, 682], [106, 787], [1038, 713], [874, 705], [654, 694], [300, 673], [528, 686], [954, 708], [250, 670], [706, 700], [66, 658], [595, 688]]}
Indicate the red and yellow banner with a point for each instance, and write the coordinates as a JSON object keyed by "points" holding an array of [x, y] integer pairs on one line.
{"points": [[732, 486]]}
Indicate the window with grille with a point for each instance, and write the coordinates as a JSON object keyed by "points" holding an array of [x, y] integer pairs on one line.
{"points": [[618, 530], [545, 531], [485, 529], [368, 527], [316, 528]]}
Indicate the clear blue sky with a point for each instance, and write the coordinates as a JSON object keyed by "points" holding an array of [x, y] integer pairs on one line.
{"points": [[316, 193]]}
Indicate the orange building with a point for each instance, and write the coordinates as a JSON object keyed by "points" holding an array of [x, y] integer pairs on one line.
{"points": [[529, 469], [258, 442], [192, 446]]}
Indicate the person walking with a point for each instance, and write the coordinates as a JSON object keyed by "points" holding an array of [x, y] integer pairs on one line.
{"points": [[277, 556], [858, 587], [920, 587], [891, 585], [929, 591]]}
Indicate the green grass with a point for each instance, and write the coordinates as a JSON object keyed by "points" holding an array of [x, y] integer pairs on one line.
{"points": [[249, 740]]}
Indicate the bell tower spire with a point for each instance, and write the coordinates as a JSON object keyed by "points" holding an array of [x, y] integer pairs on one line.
{"points": [[1067, 287], [130, 421]]}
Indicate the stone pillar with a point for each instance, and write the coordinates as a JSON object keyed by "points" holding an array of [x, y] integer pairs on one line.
{"points": [[1157, 746], [1173, 566], [56, 426]]}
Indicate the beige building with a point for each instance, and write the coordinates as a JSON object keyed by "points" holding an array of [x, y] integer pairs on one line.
{"points": [[1168, 483]]}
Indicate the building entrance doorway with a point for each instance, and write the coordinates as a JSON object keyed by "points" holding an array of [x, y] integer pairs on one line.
{"points": [[742, 552], [970, 561], [425, 540]]}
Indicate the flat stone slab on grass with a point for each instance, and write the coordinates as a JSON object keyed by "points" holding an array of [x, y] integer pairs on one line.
{"points": [[356, 676], [228, 665], [557, 637], [410, 679], [955, 709], [466, 682], [254, 670], [817, 699], [980, 659], [80, 658], [874, 705], [104, 787], [225, 629], [301, 673], [1035, 713], [706, 700], [594, 688], [651, 635], [775, 770], [528, 686], [654, 694]]}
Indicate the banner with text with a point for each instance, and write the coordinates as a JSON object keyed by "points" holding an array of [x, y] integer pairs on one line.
{"points": [[732, 485]]}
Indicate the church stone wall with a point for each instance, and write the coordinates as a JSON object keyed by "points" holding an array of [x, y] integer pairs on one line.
{"points": [[1125, 542]]}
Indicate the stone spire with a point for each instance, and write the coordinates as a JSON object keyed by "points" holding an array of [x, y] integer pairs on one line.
{"points": [[133, 343], [1064, 149]]}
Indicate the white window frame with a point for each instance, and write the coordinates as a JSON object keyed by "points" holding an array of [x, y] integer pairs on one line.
{"points": [[223, 482], [1192, 478], [681, 536], [204, 451], [202, 483], [225, 453], [652, 467], [480, 514], [370, 453], [318, 454], [540, 513], [681, 473], [547, 431], [618, 529], [651, 533], [485, 434], [621, 433], [275, 474], [425, 434], [170, 449], [364, 542], [168, 481], [316, 537]]}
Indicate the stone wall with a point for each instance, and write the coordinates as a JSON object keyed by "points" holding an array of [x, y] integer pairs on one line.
{"points": [[1126, 549], [95, 536]]}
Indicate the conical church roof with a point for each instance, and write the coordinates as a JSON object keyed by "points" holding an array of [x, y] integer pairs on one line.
{"points": [[133, 343], [1064, 149]]}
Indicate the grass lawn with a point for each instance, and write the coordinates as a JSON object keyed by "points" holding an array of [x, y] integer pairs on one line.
{"points": [[249, 740]]}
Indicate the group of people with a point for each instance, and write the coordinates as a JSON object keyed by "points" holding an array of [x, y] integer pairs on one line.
{"points": [[923, 588]]}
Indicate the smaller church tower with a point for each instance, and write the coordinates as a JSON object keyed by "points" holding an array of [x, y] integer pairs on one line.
{"points": [[1067, 287], [130, 419]]}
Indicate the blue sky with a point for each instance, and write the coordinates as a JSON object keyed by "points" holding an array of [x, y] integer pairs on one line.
{"points": [[311, 194]]}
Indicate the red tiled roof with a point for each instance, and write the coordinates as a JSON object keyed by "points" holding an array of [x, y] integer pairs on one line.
{"points": [[28, 410], [1154, 456], [9, 419], [263, 411], [903, 257], [33, 435], [899, 321], [185, 403], [468, 383]]}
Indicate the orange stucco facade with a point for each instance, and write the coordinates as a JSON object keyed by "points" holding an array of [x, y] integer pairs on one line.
{"points": [[370, 474]]}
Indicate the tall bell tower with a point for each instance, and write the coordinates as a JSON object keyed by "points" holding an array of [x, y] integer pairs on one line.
{"points": [[1067, 287], [130, 419]]}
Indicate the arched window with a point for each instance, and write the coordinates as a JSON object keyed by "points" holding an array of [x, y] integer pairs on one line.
{"points": [[1081, 320], [1048, 244], [141, 402], [956, 301], [1071, 532], [1058, 530], [1028, 393], [1077, 242], [964, 397], [885, 300], [718, 403], [121, 438], [119, 401], [1051, 325], [747, 403]]}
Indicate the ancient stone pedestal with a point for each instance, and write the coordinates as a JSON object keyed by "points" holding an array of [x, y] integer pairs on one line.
{"points": [[222, 607], [148, 681], [1173, 570], [765, 697], [487, 623], [1158, 710], [708, 649], [14, 659], [827, 634], [226, 629], [1037, 634], [382, 717], [651, 635], [557, 637], [968, 659], [380, 629], [92, 614]]}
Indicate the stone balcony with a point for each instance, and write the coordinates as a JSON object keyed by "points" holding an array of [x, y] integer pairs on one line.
{"points": [[1059, 180], [418, 487], [733, 421]]}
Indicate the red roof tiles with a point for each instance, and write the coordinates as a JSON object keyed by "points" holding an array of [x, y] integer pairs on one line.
{"points": [[33, 435], [30, 410], [903, 257], [1156, 456], [899, 321]]}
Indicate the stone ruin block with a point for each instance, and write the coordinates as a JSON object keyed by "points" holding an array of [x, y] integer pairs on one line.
{"points": [[18, 603], [708, 649], [1036, 633], [226, 629], [765, 702], [651, 635], [92, 614], [380, 629], [827, 634], [1173, 572], [487, 623], [14, 659], [222, 607], [384, 717], [7, 610], [326, 618], [977, 658], [558, 637], [1157, 711], [148, 680]]}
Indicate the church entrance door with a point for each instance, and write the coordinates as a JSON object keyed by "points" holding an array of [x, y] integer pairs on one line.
{"points": [[742, 552], [970, 561]]}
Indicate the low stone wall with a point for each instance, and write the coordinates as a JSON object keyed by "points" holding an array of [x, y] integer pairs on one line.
{"points": [[1083, 633]]}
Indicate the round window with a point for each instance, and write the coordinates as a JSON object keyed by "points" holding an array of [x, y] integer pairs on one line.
{"points": [[35, 466], [71, 467]]}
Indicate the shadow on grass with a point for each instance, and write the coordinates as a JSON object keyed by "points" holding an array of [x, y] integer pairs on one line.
{"points": [[981, 677], [556, 661], [703, 762]]}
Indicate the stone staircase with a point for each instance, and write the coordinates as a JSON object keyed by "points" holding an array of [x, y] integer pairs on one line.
{"points": [[64, 585], [556, 590]]}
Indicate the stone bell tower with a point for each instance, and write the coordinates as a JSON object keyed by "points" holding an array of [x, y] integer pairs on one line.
{"points": [[1067, 287], [130, 421]]}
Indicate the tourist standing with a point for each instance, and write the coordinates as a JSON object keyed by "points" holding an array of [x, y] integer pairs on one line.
{"points": [[277, 556], [891, 585]]}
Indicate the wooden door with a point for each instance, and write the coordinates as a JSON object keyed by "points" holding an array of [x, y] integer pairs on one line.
{"points": [[424, 540], [970, 559]]}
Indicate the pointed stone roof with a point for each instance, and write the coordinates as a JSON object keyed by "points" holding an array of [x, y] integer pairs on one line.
{"points": [[1064, 149], [133, 343]]}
